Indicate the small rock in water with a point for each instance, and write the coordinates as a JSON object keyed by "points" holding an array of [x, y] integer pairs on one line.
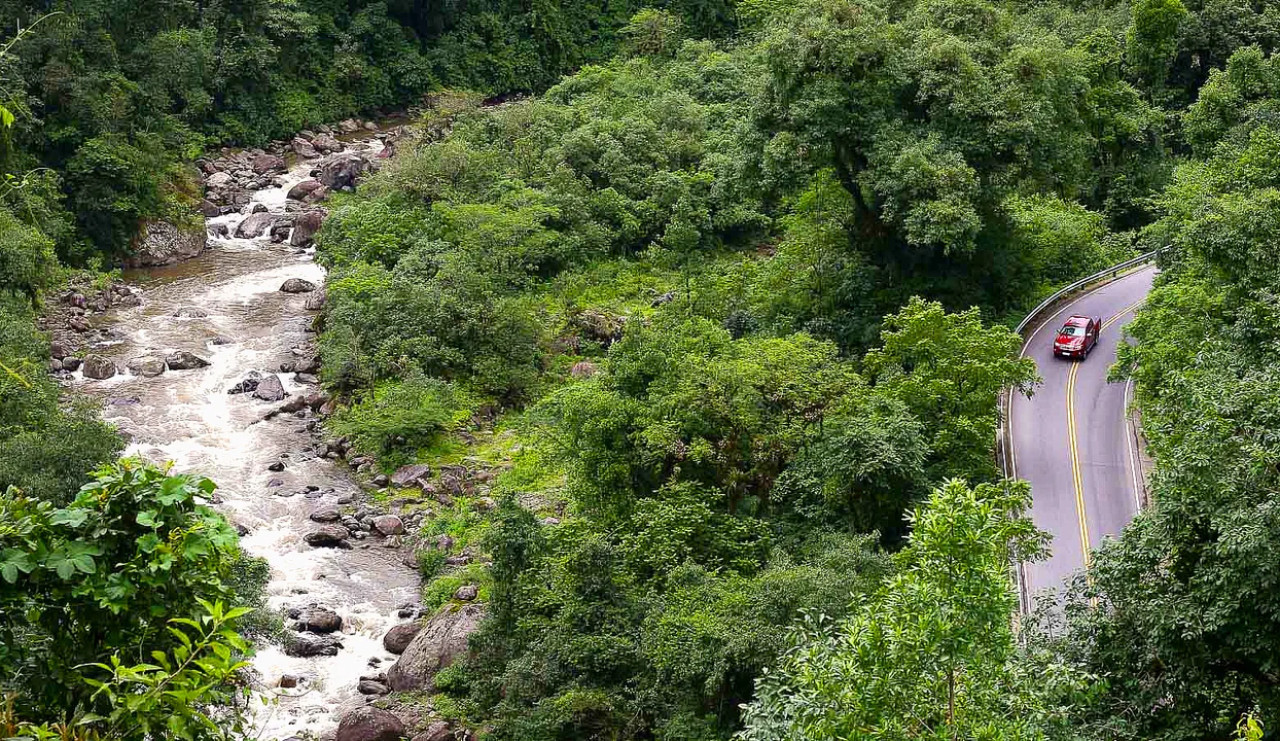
{"points": [[310, 644], [248, 385], [329, 536], [297, 285], [318, 620], [370, 687], [183, 360], [275, 483], [147, 367], [269, 388], [329, 514], [277, 466], [289, 681], [71, 364], [190, 312]]}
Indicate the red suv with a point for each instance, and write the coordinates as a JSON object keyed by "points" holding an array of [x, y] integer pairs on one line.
{"points": [[1077, 337]]}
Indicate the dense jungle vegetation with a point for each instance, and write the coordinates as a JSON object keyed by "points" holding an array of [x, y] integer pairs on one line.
{"points": [[725, 302]]}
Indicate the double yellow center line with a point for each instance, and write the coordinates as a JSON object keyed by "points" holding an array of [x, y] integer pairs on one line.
{"points": [[1076, 473]]}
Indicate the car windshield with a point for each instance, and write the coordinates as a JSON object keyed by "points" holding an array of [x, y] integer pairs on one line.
{"points": [[1072, 330]]}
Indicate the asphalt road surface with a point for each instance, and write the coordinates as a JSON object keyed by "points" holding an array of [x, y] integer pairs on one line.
{"points": [[1071, 440]]}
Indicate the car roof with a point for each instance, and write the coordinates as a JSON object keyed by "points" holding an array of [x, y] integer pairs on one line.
{"points": [[1077, 320]]}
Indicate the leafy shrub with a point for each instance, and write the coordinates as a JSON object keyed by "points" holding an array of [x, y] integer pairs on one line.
{"points": [[401, 417], [104, 575]]}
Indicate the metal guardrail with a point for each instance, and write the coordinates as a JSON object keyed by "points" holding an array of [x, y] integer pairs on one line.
{"points": [[1059, 294], [1019, 575]]}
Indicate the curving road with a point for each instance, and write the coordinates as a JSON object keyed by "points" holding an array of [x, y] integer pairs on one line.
{"points": [[1071, 439]]}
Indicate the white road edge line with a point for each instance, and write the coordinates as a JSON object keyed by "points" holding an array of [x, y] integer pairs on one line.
{"points": [[1130, 444]]}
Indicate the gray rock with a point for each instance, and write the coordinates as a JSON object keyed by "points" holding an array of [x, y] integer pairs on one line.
{"points": [[209, 208], [71, 363], [405, 476], [329, 514], [388, 525], [254, 225], [328, 536], [303, 149], [265, 163], [370, 687], [305, 228], [96, 366], [324, 144], [147, 367], [466, 593], [400, 636], [369, 724], [442, 640], [310, 644], [438, 731], [219, 180], [270, 388], [297, 285], [342, 170], [163, 243], [318, 620], [305, 188], [248, 385], [316, 300], [190, 312], [183, 360], [219, 231], [289, 681]]}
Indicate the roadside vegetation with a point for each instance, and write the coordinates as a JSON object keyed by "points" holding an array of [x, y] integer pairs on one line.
{"points": [[705, 332]]}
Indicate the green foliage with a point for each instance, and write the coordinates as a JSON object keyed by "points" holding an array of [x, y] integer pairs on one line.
{"points": [[931, 654], [47, 447], [949, 370], [104, 575], [27, 263], [402, 416]]}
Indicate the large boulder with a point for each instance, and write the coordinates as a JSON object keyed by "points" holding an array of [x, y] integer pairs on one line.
{"points": [[342, 170], [413, 475], [438, 731], [400, 636], [219, 180], [305, 228], [369, 724], [318, 620], [96, 366], [183, 360], [310, 644], [388, 525], [297, 285], [147, 367], [328, 536], [269, 388], [265, 163], [163, 243], [442, 640], [304, 189], [303, 148], [325, 143], [254, 225]]}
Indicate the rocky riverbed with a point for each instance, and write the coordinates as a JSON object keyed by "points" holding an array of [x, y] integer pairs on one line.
{"points": [[205, 358]]}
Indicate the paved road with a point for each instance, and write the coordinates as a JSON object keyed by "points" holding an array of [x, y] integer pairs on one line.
{"points": [[1070, 440]]}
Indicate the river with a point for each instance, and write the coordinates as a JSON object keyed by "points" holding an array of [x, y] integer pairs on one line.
{"points": [[188, 417]]}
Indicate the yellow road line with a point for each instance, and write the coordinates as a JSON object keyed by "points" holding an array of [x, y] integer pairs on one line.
{"points": [[1076, 474], [1077, 478]]}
